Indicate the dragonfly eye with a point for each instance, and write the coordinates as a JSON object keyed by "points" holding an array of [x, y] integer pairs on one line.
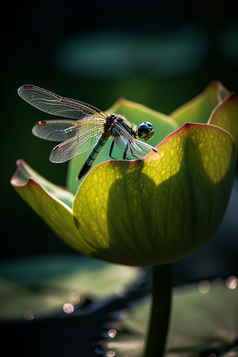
{"points": [[145, 131]]}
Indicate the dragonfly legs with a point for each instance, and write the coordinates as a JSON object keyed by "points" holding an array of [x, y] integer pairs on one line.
{"points": [[124, 153], [111, 149]]}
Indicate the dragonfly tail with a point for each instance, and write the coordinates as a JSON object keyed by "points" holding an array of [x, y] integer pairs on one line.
{"points": [[85, 168], [91, 158]]}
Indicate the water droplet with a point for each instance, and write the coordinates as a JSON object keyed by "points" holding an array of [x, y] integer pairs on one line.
{"points": [[112, 333], [68, 308], [110, 354], [232, 282], [74, 298], [204, 287], [28, 315]]}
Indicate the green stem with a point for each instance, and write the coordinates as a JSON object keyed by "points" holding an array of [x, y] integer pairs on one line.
{"points": [[160, 311]]}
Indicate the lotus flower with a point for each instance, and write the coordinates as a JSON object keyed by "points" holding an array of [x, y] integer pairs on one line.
{"points": [[152, 211]]}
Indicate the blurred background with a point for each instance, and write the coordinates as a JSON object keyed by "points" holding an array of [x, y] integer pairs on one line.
{"points": [[158, 53]]}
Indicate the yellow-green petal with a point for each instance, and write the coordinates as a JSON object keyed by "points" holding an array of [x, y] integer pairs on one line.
{"points": [[198, 109], [47, 200], [162, 208], [225, 115]]}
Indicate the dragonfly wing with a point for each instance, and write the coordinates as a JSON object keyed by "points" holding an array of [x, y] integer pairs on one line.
{"points": [[76, 145], [60, 130], [130, 145], [52, 103], [142, 149]]}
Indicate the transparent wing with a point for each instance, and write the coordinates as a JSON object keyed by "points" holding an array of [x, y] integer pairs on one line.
{"points": [[60, 130], [52, 103], [130, 145], [76, 145]]}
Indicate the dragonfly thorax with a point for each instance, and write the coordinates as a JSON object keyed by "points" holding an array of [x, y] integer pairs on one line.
{"points": [[111, 126]]}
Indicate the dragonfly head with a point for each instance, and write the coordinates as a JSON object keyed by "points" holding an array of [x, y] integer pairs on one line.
{"points": [[145, 131]]}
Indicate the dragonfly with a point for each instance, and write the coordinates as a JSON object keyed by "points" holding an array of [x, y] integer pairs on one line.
{"points": [[89, 130]]}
